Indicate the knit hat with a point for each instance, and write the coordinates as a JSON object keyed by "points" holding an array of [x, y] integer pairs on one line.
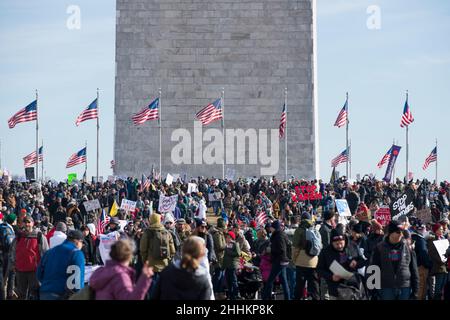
{"points": [[436, 227], [327, 215], [336, 235], [232, 235], [357, 228], [276, 225], [253, 224], [169, 219], [220, 223], [10, 218], [200, 223], [394, 226], [155, 220], [306, 216], [75, 235], [181, 221]]}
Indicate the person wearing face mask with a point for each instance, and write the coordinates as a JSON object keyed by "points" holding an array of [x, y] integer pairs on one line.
{"points": [[53, 271], [339, 251]]}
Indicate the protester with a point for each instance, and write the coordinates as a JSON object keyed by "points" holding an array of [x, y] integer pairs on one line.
{"points": [[439, 268], [59, 236], [7, 274], [230, 264]]}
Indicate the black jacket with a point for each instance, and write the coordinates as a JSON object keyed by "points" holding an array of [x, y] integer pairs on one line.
{"points": [[279, 245], [421, 249], [89, 249], [179, 284], [325, 231], [406, 276]]}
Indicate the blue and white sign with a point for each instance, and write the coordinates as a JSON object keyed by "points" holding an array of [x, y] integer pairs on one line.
{"points": [[343, 208]]}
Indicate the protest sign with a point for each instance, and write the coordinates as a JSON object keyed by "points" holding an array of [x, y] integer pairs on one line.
{"points": [[192, 187], [169, 179], [441, 247], [383, 215], [337, 269], [167, 204], [92, 205], [128, 205], [88, 271], [230, 174], [71, 177], [403, 205], [105, 243], [343, 208]]}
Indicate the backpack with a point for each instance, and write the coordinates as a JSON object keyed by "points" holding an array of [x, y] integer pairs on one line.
{"points": [[314, 242], [159, 244]]}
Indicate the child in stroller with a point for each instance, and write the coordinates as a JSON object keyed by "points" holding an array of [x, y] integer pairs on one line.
{"points": [[249, 281]]}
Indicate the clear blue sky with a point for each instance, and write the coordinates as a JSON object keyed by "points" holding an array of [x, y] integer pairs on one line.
{"points": [[410, 51]]}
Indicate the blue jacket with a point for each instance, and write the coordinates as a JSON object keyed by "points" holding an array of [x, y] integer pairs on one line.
{"points": [[52, 270]]}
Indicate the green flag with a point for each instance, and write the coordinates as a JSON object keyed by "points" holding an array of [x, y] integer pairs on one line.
{"points": [[71, 177]]}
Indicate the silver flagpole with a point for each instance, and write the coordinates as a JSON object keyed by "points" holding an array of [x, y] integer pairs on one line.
{"points": [[393, 168], [350, 158], [98, 133], [346, 139], [285, 136], [407, 145], [42, 164], [437, 184], [160, 135], [223, 132], [86, 164], [37, 138]]}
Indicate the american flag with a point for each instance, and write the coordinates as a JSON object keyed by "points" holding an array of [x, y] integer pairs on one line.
{"points": [[212, 112], [342, 118], [341, 158], [431, 158], [30, 159], [77, 158], [145, 182], [407, 117], [113, 163], [261, 218], [283, 121], [90, 113], [385, 159], [102, 222], [149, 113], [29, 113]]}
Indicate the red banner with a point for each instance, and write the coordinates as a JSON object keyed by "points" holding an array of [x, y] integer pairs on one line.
{"points": [[383, 216]]}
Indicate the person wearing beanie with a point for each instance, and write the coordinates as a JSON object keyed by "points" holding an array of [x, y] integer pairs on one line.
{"points": [[59, 236], [328, 224], [169, 224], [398, 265], [358, 240], [375, 236], [157, 248], [219, 239], [7, 236], [52, 270], [438, 271], [424, 263], [26, 252], [281, 254], [231, 264], [338, 250]]}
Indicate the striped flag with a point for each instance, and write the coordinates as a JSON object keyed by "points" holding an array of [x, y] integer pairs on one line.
{"points": [[149, 113], [407, 117], [30, 159], [341, 158], [261, 218], [90, 113], [342, 118], [102, 222], [283, 122], [29, 113], [385, 159], [431, 158], [212, 112], [77, 158], [145, 182]]}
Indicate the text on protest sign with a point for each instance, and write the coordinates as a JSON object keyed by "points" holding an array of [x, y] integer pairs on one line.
{"points": [[128, 205], [383, 216], [92, 205], [167, 204], [105, 243], [403, 205], [303, 193], [192, 187], [169, 179], [343, 208]]}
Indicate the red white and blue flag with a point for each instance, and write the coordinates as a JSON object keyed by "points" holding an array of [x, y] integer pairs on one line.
{"points": [[29, 113], [261, 218], [212, 112], [30, 159], [102, 222], [341, 158], [283, 122], [385, 159], [90, 113], [407, 117], [149, 113], [145, 182], [342, 118], [431, 158], [77, 158]]}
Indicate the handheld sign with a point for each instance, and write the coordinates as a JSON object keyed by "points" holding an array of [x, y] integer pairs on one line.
{"points": [[403, 205], [128, 205], [71, 177], [192, 187], [383, 215], [92, 205], [167, 204], [169, 179], [343, 208]]}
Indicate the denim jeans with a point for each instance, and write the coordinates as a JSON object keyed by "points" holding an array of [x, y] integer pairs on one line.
{"points": [[395, 294], [217, 206], [232, 283], [276, 270], [217, 280], [290, 272], [151, 290], [441, 280]]}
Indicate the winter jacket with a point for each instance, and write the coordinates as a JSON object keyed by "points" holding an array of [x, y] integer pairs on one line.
{"points": [[325, 231], [52, 272], [299, 255], [176, 283], [57, 238], [353, 201], [372, 240], [279, 246], [342, 288], [386, 255], [27, 250], [158, 264], [89, 250], [219, 244], [437, 265], [115, 281], [231, 256], [421, 249]]}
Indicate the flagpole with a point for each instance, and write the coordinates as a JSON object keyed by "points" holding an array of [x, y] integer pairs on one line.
{"points": [[160, 134], [346, 138], [42, 164], [98, 133], [86, 164], [37, 137], [350, 158], [407, 145], [436, 164], [285, 135], [223, 132], [393, 168]]}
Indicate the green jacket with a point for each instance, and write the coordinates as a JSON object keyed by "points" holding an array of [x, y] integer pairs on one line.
{"points": [[220, 244], [145, 249], [231, 256]]}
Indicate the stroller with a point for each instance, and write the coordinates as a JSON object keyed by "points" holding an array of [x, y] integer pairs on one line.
{"points": [[250, 281]]}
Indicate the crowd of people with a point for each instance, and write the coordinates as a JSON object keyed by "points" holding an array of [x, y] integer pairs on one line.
{"points": [[242, 239]]}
